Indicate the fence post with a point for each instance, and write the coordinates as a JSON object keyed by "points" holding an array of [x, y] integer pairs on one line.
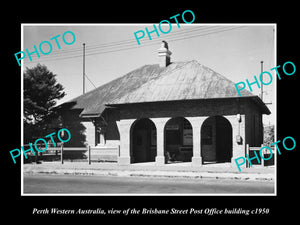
{"points": [[247, 152], [62, 153], [262, 160], [89, 154], [36, 157]]}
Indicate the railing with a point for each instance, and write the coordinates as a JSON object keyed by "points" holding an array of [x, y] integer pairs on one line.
{"points": [[61, 149]]}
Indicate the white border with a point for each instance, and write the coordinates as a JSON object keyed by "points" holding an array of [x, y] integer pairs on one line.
{"points": [[134, 24], [22, 111]]}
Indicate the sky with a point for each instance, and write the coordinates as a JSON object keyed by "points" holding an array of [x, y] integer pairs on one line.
{"points": [[233, 50]]}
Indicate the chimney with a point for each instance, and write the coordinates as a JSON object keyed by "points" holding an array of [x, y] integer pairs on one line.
{"points": [[164, 54]]}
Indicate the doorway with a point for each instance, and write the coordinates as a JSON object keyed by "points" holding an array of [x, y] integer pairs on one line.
{"points": [[143, 141], [178, 140], [216, 140]]}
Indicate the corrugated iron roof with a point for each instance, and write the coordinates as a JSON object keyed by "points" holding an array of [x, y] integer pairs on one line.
{"points": [[150, 83]]}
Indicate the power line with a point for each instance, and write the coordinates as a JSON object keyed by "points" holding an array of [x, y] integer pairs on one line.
{"points": [[169, 38], [133, 41], [122, 43], [134, 45]]}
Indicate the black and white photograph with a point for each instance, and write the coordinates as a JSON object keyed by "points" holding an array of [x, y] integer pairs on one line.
{"points": [[150, 110], [158, 115]]}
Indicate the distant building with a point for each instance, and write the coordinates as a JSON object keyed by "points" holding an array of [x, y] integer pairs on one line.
{"points": [[171, 111]]}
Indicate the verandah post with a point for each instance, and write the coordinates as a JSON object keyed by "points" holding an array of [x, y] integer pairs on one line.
{"points": [[89, 154]]}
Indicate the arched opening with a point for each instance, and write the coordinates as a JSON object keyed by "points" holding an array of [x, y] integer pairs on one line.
{"points": [[178, 140], [216, 140], [143, 141]]}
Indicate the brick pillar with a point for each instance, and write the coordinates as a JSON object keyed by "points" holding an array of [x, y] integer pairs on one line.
{"points": [[196, 125], [160, 139], [124, 130]]}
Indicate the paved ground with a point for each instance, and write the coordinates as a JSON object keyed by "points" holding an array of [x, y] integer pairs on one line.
{"points": [[80, 184], [182, 170]]}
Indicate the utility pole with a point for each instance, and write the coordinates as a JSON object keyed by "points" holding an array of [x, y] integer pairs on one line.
{"points": [[83, 72], [262, 90]]}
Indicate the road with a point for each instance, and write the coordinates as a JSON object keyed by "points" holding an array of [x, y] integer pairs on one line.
{"points": [[78, 184]]}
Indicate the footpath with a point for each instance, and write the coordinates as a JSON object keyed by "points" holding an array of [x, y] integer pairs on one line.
{"points": [[178, 170]]}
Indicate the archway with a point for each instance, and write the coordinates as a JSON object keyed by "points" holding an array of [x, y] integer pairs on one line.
{"points": [[216, 140], [143, 141], [178, 140]]}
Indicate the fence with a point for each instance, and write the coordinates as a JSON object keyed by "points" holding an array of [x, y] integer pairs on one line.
{"points": [[250, 150], [61, 149]]}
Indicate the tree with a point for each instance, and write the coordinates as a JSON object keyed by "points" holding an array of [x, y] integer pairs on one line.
{"points": [[268, 135], [41, 91]]}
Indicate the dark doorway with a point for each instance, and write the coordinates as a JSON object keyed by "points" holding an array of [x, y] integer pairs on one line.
{"points": [[216, 140], [178, 140], [143, 141]]}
